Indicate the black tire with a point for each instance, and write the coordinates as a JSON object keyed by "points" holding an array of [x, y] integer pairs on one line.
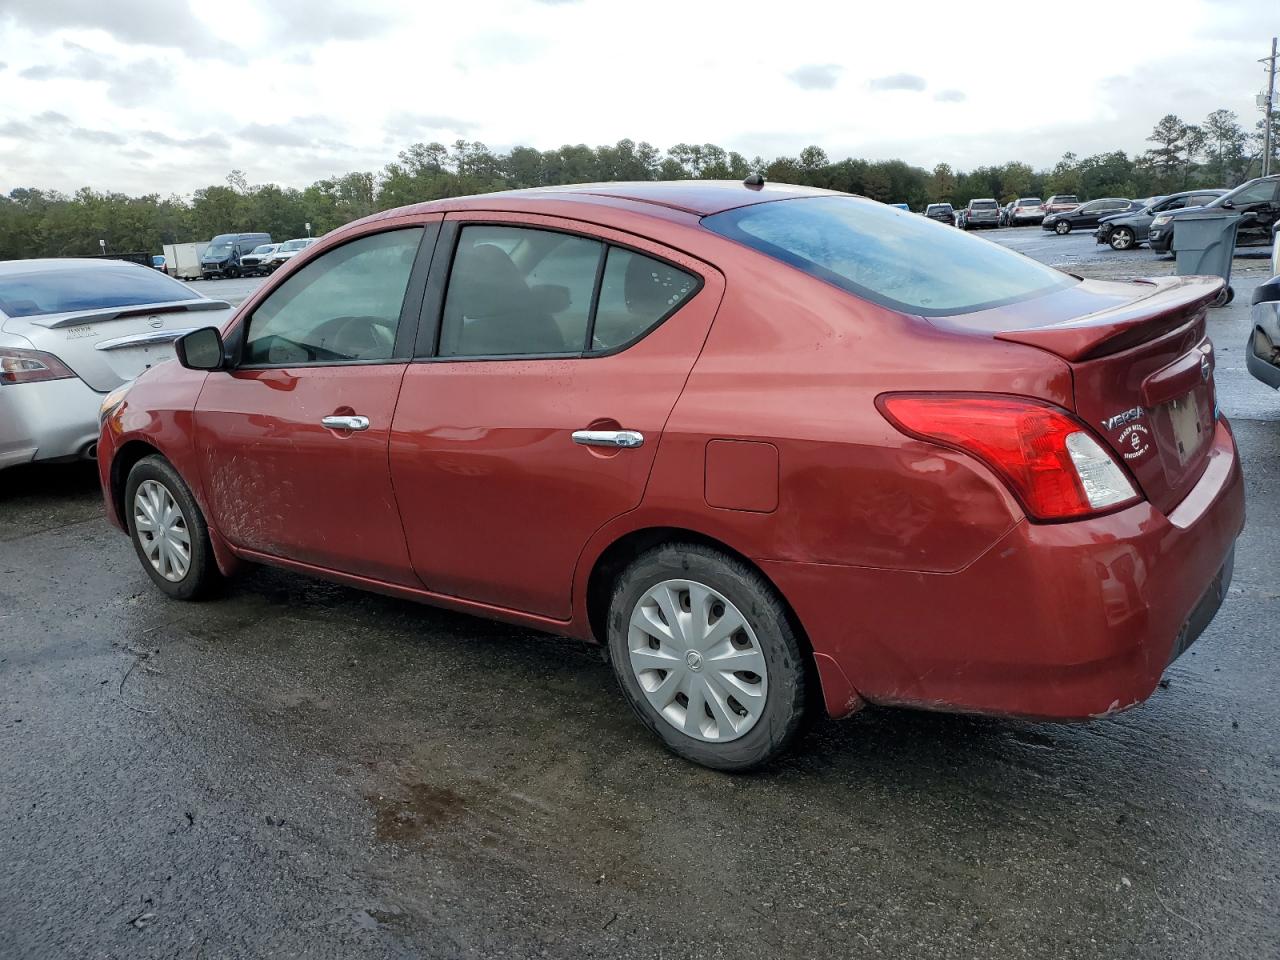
{"points": [[1122, 238], [1225, 296], [1062, 228], [202, 574], [784, 656]]}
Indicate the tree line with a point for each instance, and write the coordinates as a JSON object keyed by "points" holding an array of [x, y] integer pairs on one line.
{"points": [[47, 223]]}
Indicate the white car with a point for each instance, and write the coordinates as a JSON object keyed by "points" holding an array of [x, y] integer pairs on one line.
{"points": [[71, 331], [286, 252], [254, 261]]}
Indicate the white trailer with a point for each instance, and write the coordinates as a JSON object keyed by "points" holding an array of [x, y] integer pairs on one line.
{"points": [[182, 260]]}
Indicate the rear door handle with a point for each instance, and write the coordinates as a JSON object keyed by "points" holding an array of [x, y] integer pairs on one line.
{"points": [[345, 423], [609, 438]]}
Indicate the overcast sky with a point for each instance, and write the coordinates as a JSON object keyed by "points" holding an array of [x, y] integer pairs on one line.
{"points": [[168, 96]]}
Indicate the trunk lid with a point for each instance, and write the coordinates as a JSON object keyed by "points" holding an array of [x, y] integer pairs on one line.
{"points": [[1142, 368], [106, 347]]}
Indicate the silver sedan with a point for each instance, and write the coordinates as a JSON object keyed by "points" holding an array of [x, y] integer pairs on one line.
{"points": [[71, 331]]}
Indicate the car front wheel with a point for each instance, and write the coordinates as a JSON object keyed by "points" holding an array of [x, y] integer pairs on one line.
{"points": [[1061, 228], [1122, 239], [706, 655], [168, 531]]}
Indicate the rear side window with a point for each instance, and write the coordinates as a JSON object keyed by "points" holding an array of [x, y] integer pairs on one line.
{"points": [[912, 264], [521, 291], [636, 294], [343, 306], [63, 289], [516, 291]]}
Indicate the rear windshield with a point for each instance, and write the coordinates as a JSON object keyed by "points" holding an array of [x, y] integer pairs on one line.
{"points": [[911, 264], [81, 287], [983, 204], [1065, 199], [1029, 201], [940, 206]]}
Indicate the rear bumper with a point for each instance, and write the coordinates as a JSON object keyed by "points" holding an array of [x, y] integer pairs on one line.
{"points": [[1056, 621], [47, 421]]}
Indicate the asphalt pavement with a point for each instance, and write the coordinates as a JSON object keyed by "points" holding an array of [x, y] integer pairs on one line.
{"points": [[297, 769]]}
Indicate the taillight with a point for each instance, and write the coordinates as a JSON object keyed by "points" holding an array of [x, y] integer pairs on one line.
{"points": [[30, 366], [1048, 458]]}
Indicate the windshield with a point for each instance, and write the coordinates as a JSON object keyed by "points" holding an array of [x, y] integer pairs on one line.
{"points": [[911, 264], [1029, 202], [217, 249], [291, 245], [264, 248], [82, 287]]}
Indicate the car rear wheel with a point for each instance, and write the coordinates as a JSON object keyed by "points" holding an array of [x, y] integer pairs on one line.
{"points": [[1061, 228], [706, 655], [168, 531], [1122, 239]]}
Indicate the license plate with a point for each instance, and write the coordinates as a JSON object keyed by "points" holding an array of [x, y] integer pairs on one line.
{"points": [[129, 362], [1188, 433]]}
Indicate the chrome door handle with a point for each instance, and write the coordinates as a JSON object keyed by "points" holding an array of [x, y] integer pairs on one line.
{"points": [[345, 423], [609, 438]]}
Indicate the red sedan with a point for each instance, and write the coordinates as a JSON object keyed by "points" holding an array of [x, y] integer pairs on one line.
{"points": [[771, 446]]}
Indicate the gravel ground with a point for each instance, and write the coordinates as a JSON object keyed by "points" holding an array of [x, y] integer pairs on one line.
{"points": [[301, 770]]}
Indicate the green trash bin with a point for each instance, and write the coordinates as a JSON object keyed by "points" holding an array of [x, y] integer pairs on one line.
{"points": [[1204, 244]]}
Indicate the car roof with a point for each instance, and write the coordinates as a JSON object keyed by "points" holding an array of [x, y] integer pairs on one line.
{"points": [[699, 197]]}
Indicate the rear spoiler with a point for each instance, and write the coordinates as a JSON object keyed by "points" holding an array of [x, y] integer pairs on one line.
{"points": [[98, 315], [1173, 302]]}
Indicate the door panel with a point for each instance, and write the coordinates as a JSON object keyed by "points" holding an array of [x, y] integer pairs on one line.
{"points": [[496, 497], [281, 483], [332, 339]]}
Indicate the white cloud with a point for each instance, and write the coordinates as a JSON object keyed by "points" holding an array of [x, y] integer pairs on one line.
{"points": [[293, 89]]}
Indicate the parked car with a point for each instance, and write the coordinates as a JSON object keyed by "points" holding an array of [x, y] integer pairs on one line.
{"points": [[1059, 203], [221, 258], [901, 206], [1257, 201], [591, 411], [1087, 214], [960, 215], [157, 262], [286, 252], [253, 262], [1124, 231], [1025, 210], [1005, 212], [942, 212], [981, 213], [1262, 352], [72, 330]]}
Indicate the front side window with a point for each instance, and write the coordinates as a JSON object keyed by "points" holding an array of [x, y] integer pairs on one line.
{"points": [[1263, 191], [342, 307], [636, 294], [912, 264], [517, 291]]}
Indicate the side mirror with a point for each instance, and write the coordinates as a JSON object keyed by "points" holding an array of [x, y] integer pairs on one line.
{"points": [[1227, 205], [1248, 216], [200, 349]]}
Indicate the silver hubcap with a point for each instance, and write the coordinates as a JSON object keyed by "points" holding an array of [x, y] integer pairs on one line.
{"points": [[698, 661], [162, 530], [1121, 240]]}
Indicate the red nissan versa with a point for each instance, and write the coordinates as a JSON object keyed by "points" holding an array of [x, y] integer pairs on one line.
{"points": [[765, 443]]}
